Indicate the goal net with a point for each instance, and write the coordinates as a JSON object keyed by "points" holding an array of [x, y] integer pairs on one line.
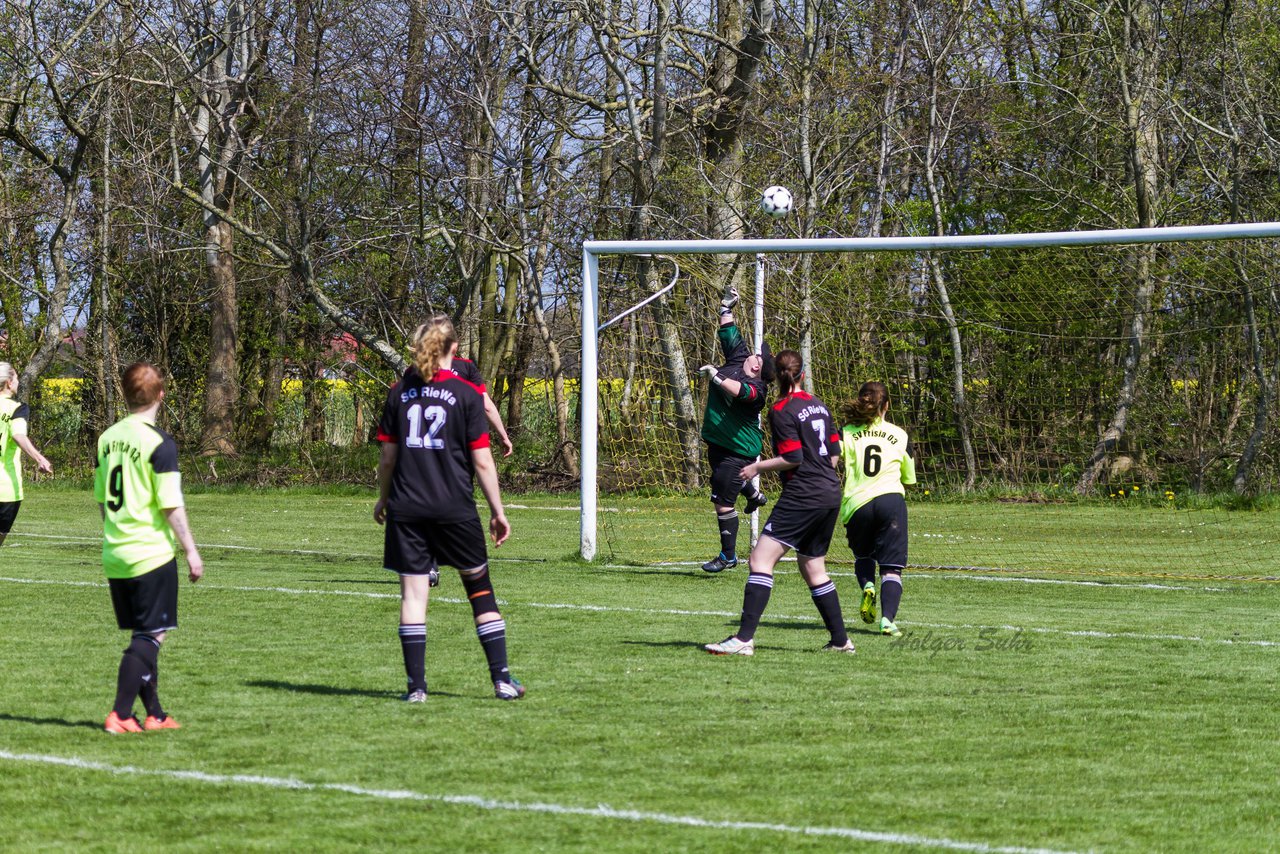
{"points": [[1090, 401]]}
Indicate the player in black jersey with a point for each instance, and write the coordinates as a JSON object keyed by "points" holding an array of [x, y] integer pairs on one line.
{"points": [[467, 369], [434, 440], [806, 443], [731, 429]]}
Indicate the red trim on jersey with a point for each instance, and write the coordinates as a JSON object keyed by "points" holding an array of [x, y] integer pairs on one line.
{"points": [[442, 375], [797, 395], [786, 446], [482, 387], [482, 442], [383, 437]]}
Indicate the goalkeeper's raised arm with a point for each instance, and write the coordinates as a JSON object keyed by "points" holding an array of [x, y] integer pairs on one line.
{"points": [[731, 428]]}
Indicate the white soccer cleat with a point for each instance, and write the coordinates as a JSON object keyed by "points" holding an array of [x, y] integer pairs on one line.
{"points": [[732, 646], [508, 690]]}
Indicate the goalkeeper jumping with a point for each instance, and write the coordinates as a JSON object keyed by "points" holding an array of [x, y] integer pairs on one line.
{"points": [[731, 428]]}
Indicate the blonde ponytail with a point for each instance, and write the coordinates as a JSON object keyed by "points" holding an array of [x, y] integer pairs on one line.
{"points": [[7, 373], [432, 341]]}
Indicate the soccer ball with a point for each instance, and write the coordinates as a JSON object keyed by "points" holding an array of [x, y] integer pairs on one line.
{"points": [[776, 202]]}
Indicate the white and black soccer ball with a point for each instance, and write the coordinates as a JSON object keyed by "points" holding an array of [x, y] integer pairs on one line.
{"points": [[776, 202]]}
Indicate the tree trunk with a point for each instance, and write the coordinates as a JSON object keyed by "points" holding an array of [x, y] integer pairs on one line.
{"points": [[1141, 48], [960, 404], [222, 382], [1266, 380]]}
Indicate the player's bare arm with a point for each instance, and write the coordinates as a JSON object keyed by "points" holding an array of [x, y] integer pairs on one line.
{"points": [[495, 422], [386, 468], [731, 388], [771, 464], [177, 519], [41, 463], [487, 475]]}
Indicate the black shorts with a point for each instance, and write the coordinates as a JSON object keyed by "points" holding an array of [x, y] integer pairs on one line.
{"points": [[805, 529], [726, 482], [417, 546], [8, 512], [878, 529], [149, 602]]}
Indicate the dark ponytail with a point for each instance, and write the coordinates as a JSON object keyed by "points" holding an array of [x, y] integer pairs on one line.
{"points": [[790, 368], [870, 404]]}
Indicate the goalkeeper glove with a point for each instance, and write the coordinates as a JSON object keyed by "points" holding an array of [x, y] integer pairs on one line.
{"points": [[729, 300], [713, 373]]}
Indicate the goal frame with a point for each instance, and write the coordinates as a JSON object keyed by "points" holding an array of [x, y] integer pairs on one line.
{"points": [[592, 250]]}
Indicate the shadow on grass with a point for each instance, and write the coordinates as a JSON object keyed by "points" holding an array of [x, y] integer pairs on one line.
{"points": [[680, 644], [855, 630], [334, 690], [23, 719]]}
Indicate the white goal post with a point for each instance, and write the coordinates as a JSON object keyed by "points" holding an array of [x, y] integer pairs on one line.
{"points": [[590, 320]]}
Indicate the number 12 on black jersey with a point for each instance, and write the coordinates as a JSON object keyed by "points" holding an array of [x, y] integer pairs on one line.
{"points": [[425, 425]]}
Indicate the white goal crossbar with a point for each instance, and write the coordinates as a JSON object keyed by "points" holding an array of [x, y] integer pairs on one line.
{"points": [[593, 249]]}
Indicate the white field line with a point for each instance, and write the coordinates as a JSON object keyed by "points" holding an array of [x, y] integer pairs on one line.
{"points": [[679, 612], [1069, 582], [958, 576], [599, 811], [574, 508], [675, 565]]}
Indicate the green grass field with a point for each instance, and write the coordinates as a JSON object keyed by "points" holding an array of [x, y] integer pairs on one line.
{"points": [[1060, 709]]}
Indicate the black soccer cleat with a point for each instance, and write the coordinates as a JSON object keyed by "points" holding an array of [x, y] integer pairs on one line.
{"points": [[433, 578], [754, 504], [720, 563]]}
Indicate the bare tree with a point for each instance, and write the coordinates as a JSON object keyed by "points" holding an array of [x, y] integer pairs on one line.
{"points": [[46, 74]]}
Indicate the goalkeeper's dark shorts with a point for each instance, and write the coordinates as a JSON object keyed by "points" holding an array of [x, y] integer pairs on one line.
{"points": [[417, 546], [726, 481], [8, 513], [878, 529], [806, 529]]}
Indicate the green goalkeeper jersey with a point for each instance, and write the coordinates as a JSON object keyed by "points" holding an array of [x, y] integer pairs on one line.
{"points": [[733, 421], [136, 480], [13, 422], [877, 461]]}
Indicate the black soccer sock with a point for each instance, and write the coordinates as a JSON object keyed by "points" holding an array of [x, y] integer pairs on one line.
{"points": [[827, 602], [493, 639], [864, 568], [890, 595], [728, 534], [755, 597], [149, 691], [413, 644], [750, 492], [137, 663]]}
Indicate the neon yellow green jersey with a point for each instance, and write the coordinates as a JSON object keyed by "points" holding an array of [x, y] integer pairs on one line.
{"points": [[13, 422], [136, 480], [877, 461]]}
